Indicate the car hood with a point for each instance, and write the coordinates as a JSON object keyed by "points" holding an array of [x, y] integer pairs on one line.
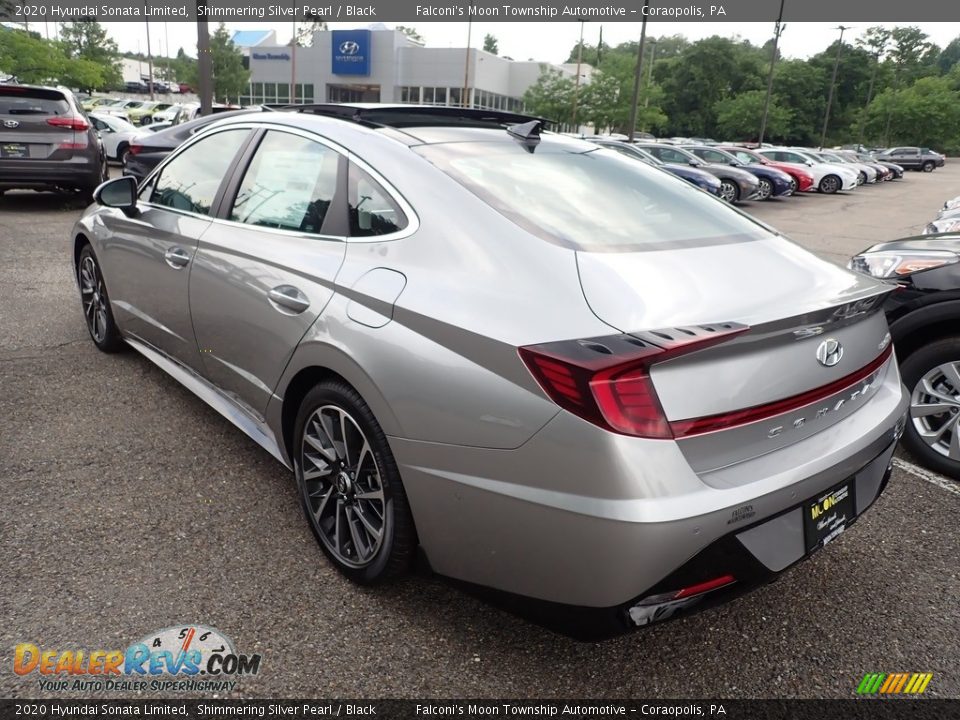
{"points": [[848, 170], [729, 171], [946, 241], [768, 170], [690, 171], [751, 282]]}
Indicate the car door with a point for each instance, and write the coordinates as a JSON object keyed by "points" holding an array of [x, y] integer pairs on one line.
{"points": [[264, 272], [148, 253]]}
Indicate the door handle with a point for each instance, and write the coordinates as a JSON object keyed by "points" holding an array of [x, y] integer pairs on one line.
{"points": [[289, 297], [176, 257]]}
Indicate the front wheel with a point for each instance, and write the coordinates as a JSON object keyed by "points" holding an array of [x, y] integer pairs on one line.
{"points": [[96, 304], [830, 184], [932, 374], [765, 191], [729, 191], [350, 487]]}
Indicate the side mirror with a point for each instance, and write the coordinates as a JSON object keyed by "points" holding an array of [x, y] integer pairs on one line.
{"points": [[809, 163], [119, 193]]}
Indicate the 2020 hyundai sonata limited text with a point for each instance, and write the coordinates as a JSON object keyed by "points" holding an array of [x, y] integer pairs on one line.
{"points": [[551, 370]]}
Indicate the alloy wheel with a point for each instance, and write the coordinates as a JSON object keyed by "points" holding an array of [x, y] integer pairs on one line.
{"points": [[793, 185], [728, 191], [829, 184], [344, 488], [94, 299], [765, 190], [935, 409]]}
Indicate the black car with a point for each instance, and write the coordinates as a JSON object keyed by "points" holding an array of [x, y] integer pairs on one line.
{"points": [[147, 150], [924, 316], [47, 142]]}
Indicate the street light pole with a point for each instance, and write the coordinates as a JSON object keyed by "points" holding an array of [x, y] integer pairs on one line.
{"points": [[149, 60], [833, 82], [653, 57], [777, 30], [205, 66], [639, 73], [464, 101], [576, 82]]}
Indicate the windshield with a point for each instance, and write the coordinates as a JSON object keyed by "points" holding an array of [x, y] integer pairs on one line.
{"points": [[594, 200]]}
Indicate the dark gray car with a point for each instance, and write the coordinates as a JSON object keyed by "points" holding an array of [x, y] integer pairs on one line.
{"points": [[47, 142], [912, 158]]}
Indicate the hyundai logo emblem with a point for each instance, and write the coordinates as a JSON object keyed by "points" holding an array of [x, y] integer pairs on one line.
{"points": [[11, 124], [349, 47], [829, 352]]}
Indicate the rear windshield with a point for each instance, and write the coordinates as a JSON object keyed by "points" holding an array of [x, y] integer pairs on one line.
{"points": [[31, 101], [594, 200]]}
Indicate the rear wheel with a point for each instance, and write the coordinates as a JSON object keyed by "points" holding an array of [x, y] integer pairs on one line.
{"points": [[122, 152], [933, 433], [765, 190], [793, 185], [729, 191], [96, 304], [350, 487], [830, 184], [928, 166]]}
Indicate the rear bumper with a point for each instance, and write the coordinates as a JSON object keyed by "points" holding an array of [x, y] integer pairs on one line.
{"points": [[40, 173], [581, 517]]}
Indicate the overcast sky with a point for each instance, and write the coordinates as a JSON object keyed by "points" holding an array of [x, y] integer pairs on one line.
{"points": [[550, 42]]}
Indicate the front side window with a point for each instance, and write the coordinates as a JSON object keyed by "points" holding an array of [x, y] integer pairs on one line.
{"points": [[289, 185], [590, 200], [190, 180], [745, 157], [372, 211], [714, 157]]}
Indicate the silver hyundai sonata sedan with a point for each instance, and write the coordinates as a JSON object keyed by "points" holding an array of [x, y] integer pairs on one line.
{"points": [[548, 369]]}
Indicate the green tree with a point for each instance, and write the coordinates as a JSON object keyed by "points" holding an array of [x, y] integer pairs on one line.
{"points": [[949, 56], [925, 113], [551, 96], [801, 88], [738, 118], [88, 40], [306, 30], [29, 58], [490, 44], [230, 78], [411, 33]]}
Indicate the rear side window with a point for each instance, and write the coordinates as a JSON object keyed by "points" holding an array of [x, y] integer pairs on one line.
{"points": [[372, 211], [190, 181], [289, 185], [16, 100], [594, 200]]}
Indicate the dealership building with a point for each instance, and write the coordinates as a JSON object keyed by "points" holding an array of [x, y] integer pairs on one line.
{"points": [[379, 64]]}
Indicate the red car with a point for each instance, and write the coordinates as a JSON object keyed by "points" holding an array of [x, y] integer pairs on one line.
{"points": [[803, 181]]}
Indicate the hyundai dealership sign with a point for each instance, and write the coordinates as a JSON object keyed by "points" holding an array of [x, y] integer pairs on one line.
{"points": [[351, 52]]}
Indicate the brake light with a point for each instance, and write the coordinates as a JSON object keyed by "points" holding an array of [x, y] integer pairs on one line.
{"points": [[77, 124], [606, 381], [135, 149]]}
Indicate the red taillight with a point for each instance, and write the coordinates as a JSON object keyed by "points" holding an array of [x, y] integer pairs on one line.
{"points": [[135, 149], [606, 381], [724, 421], [704, 587], [77, 124]]}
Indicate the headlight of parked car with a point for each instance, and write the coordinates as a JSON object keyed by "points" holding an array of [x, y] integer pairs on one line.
{"points": [[893, 265]]}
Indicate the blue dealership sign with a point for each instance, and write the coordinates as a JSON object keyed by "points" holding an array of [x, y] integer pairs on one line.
{"points": [[351, 52]]}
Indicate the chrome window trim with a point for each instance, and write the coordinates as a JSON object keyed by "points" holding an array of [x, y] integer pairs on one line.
{"points": [[413, 219]]}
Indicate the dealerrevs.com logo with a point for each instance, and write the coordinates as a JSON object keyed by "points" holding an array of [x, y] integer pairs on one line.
{"points": [[188, 658]]}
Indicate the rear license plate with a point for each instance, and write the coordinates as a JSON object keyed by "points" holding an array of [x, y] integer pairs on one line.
{"points": [[14, 150], [827, 515]]}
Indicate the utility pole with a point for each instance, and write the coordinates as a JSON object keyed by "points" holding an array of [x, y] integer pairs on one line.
{"points": [[833, 82], [639, 73], [465, 100], [293, 64], [576, 82], [204, 62], [777, 30], [653, 57], [149, 61], [863, 116]]}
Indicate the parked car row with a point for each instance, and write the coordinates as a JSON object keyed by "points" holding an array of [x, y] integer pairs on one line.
{"points": [[946, 220], [742, 173]]}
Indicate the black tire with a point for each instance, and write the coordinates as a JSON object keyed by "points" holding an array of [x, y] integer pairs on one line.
{"points": [[830, 184], [861, 178], [123, 149], [101, 325], [928, 166], [397, 546], [793, 185], [913, 369]]}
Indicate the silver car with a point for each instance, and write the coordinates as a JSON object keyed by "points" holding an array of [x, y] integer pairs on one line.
{"points": [[549, 369]]}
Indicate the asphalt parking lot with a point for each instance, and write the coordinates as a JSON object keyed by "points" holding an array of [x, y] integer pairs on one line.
{"points": [[131, 506]]}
